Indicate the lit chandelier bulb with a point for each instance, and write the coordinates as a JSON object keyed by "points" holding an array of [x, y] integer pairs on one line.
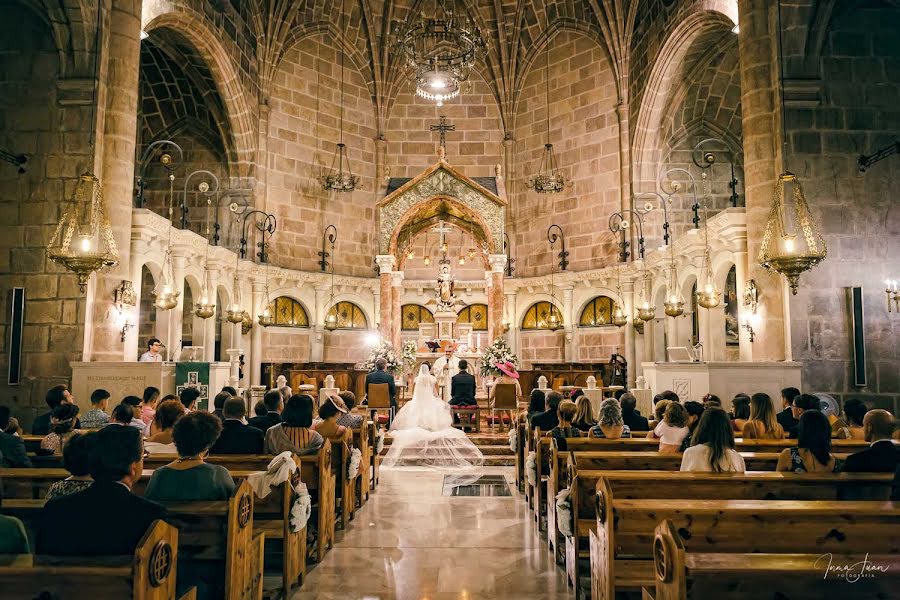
{"points": [[85, 243]]}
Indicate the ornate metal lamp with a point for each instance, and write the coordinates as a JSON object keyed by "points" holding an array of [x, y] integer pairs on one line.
{"points": [[619, 318], [674, 303], [548, 179], [205, 306], [266, 315]]}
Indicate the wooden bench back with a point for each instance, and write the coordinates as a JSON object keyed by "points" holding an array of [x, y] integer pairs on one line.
{"points": [[653, 461], [635, 444], [379, 395], [505, 397]]}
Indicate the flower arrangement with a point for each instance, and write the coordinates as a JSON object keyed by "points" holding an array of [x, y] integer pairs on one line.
{"points": [[408, 353], [301, 508], [384, 350], [498, 352]]}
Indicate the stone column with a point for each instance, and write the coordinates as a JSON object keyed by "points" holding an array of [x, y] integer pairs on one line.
{"points": [[176, 315], [624, 151], [671, 330], [630, 355], [763, 159], [508, 156], [255, 359], [568, 323], [703, 320], [381, 169], [262, 152], [495, 296], [396, 292], [512, 332], [744, 312], [317, 345], [209, 325], [385, 264], [114, 164]]}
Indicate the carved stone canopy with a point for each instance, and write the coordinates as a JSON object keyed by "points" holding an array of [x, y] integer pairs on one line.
{"points": [[441, 192]]}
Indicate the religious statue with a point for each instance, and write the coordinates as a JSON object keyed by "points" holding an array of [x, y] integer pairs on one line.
{"points": [[445, 301]]}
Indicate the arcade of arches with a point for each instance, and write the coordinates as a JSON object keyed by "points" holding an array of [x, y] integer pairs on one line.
{"points": [[633, 89]]}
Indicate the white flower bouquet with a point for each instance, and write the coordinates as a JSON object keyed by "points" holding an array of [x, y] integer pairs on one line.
{"points": [[498, 352], [301, 509], [353, 463], [384, 350], [564, 512]]}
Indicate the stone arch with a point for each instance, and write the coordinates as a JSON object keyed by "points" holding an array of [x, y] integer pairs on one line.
{"points": [[591, 302], [215, 54], [536, 300]]}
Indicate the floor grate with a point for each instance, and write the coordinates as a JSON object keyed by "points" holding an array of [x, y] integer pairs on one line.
{"points": [[476, 485]]}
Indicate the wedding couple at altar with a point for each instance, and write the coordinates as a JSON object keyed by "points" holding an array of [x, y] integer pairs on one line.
{"points": [[422, 432]]}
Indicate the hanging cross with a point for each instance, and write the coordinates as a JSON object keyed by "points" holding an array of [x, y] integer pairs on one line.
{"points": [[443, 126], [441, 229]]}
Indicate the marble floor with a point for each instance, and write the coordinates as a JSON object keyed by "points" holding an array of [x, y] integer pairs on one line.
{"points": [[411, 543]]}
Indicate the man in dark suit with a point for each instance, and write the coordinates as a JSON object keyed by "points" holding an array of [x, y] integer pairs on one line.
{"points": [[630, 415], [883, 455], [785, 417], [274, 405], [58, 394], [106, 519], [801, 404], [548, 419], [462, 386], [12, 447], [237, 438], [380, 376]]}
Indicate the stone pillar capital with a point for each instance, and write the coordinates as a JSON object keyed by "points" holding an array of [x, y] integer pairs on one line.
{"points": [[385, 262], [397, 278], [497, 262]]}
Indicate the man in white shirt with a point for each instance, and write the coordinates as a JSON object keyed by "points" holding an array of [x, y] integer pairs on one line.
{"points": [[152, 354], [444, 369]]}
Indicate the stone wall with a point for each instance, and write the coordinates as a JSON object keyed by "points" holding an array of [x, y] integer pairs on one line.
{"points": [[584, 131], [285, 344], [858, 114], [596, 344], [55, 139], [540, 346], [346, 346]]}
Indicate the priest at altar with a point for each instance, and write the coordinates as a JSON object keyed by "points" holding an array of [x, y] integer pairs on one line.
{"points": [[444, 369]]}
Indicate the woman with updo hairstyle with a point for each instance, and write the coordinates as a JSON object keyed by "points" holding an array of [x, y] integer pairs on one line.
{"points": [[295, 433], [62, 427], [190, 477], [167, 415], [76, 459]]}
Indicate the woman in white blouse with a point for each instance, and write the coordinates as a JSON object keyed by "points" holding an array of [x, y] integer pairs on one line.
{"points": [[712, 447]]}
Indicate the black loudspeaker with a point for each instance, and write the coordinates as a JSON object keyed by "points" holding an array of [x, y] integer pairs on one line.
{"points": [[859, 336], [16, 326]]}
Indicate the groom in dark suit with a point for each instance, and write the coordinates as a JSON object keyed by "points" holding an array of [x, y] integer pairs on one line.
{"points": [[462, 386], [379, 376]]}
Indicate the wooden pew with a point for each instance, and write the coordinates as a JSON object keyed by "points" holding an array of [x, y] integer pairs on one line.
{"points": [[682, 573], [362, 439], [653, 461], [542, 461], [344, 486], [741, 445], [620, 530], [212, 531], [149, 574]]}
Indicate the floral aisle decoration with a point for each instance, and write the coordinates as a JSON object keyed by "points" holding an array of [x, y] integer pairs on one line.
{"points": [[564, 512], [301, 509], [513, 439], [498, 352], [531, 468], [379, 440], [353, 463], [384, 350]]}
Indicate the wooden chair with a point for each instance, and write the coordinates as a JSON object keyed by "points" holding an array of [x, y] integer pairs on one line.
{"points": [[467, 417], [379, 399], [505, 400]]}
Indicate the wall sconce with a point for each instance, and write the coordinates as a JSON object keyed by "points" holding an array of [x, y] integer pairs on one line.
{"points": [[563, 254], [748, 322], [751, 296], [124, 300], [893, 293]]}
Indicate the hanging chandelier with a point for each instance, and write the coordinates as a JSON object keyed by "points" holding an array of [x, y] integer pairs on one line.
{"points": [[673, 305], [619, 318], [645, 310], [340, 177], [205, 306], [442, 49], [548, 179]]}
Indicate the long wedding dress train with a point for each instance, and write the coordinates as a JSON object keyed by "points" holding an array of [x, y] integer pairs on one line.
{"points": [[422, 433]]}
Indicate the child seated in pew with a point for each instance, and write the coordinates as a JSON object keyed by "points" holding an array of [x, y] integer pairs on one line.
{"points": [[13, 539], [62, 426], [712, 447], [328, 427], [189, 477], [813, 451], [611, 425], [673, 429], [659, 410], [566, 412], [694, 411], [294, 433], [76, 460]]}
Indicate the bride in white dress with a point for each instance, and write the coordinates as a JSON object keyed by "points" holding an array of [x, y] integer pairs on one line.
{"points": [[422, 433]]}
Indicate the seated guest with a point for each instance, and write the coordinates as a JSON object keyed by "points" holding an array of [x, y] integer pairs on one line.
{"points": [[565, 429], [883, 455], [852, 427], [763, 424], [58, 394], [122, 415], [273, 405], [96, 417], [13, 539], [12, 447], [673, 429], [813, 451], [328, 427], [294, 433], [219, 403], [189, 477], [803, 403], [508, 375], [231, 391], [76, 460], [237, 438], [711, 400], [548, 419], [62, 425], [189, 398], [259, 409], [611, 424], [630, 414], [786, 417], [536, 404], [353, 418], [670, 396], [167, 414], [584, 414], [740, 406], [712, 447], [137, 406], [12, 427], [106, 519], [694, 412], [148, 408], [462, 386], [659, 410]]}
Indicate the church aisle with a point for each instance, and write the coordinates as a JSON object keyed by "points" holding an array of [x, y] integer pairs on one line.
{"points": [[409, 543]]}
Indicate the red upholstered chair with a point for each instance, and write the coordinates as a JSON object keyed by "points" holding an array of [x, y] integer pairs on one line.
{"points": [[466, 418]]}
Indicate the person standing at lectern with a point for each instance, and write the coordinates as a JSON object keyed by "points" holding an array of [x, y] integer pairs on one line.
{"points": [[462, 386], [152, 354]]}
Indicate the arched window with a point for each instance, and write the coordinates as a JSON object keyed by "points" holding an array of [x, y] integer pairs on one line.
{"points": [[476, 314], [346, 315], [597, 312], [290, 313], [537, 316], [413, 315]]}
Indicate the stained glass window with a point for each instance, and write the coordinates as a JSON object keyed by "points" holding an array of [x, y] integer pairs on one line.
{"points": [[476, 314], [413, 315], [347, 316], [289, 313], [537, 316], [597, 312]]}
